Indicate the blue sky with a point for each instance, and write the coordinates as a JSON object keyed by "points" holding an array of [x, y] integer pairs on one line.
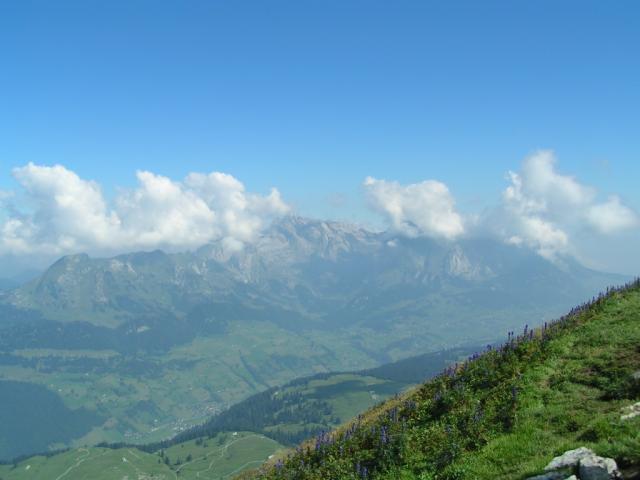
{"points": [[311, 97]]}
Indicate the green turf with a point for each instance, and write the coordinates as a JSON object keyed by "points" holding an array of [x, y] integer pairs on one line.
{"points": [[573, 399], [216, 458], [90, 464], [237, 453]]}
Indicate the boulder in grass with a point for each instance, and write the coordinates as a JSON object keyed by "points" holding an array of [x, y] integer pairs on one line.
{"points": [[569, 459], [598, 468]]}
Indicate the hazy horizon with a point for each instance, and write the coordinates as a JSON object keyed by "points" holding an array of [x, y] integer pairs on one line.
{"points": [[146, 125]]}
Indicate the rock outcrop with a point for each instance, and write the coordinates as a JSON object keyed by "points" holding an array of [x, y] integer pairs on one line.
{"points": [[598, 468], [582, 461], [569, 459]]}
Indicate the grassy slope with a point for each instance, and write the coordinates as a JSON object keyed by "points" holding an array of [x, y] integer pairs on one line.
{"points": [[574, 397], [503, 415]]}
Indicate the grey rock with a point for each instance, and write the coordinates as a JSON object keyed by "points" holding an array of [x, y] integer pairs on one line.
{"points": [[636, 375], [569, 459], [598, 468], [630, 412]]}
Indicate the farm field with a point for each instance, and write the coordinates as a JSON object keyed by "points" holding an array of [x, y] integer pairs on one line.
{"points": [[158, 396], [218, 458]]}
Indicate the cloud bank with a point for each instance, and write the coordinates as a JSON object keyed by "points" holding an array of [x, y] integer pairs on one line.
{"points": [[69, 214], [57, 212], [540, 208]]}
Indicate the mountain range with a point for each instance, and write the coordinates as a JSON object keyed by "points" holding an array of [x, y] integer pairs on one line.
{"points": [[144, 345], [304, 274]]}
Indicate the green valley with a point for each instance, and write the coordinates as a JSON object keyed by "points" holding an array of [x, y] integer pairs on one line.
{"points": [[246, 434]]}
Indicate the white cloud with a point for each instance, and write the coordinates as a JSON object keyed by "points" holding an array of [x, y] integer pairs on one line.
{"points": [[612, 216], [542, 182], [419, 209], [241, 214], [161, 212], [542, 208], [547, 239], [69, 214]]}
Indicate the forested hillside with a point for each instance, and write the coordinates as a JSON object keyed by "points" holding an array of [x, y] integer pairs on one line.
{"points": [[306, 406]]}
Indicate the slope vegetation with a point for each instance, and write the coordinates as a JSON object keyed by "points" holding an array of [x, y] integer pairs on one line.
{"points": [[503, 413]]}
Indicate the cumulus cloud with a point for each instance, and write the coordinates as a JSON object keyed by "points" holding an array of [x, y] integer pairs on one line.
{"points": [[420, 209], [68, 214], [542, 208], [551, 190], [544, 237], [612, 216]]}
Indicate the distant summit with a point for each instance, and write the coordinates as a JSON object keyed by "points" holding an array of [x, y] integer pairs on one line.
{"points": [[323, 274]]}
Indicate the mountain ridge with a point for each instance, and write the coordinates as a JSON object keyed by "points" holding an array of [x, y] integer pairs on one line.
{"points": [[298, 264]]}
